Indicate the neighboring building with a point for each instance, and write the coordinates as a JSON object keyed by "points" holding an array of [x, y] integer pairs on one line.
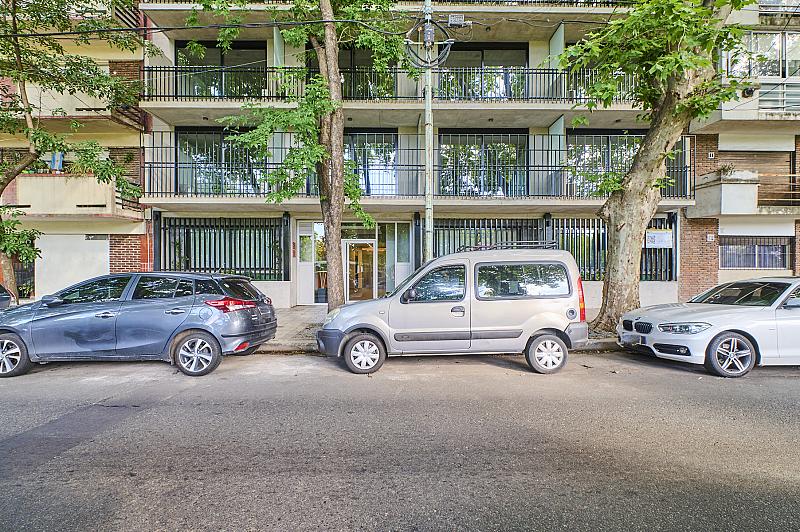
{"points": [[88, 229]]}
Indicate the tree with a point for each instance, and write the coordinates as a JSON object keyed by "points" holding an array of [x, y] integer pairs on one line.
{"points": [[33, 54], [670, 48], [317, 119]]}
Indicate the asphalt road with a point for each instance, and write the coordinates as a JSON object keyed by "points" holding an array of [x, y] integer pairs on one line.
{"points": [[294, 442]]}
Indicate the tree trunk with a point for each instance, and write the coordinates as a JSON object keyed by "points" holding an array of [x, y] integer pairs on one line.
{"points": [[9, 279], [332, 195]]}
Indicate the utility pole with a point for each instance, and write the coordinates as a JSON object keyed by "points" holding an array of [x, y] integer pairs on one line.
{"points": [[428, 61], [429, 41]]}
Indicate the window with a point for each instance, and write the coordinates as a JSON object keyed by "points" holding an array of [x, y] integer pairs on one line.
{"points": [[306, 248], [447, 283], [208, 287], [755, 253], [150, 287], [241, 289], [107, 289], [774, 54], [510, 281], [745, 293], [483, 164]]}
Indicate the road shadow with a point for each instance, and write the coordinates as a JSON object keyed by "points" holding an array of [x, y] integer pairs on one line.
{"points": [[504, 361]]}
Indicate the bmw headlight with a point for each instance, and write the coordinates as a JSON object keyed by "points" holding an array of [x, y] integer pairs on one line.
{"points": [[683, 328], [331, 316]]}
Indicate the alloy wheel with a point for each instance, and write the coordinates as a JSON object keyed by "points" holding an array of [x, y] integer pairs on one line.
{"points": [[195, 355], [10, 355], [365, 354], [733, 356], [549, 354]]}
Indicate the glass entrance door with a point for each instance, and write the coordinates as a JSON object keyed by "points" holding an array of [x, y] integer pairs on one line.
{"points": [[360, 269]]}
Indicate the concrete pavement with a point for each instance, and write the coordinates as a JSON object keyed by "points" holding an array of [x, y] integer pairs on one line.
{"points": [[614, 441]]}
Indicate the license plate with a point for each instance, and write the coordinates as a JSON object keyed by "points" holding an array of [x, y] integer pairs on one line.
{"points": [[634, 339]]}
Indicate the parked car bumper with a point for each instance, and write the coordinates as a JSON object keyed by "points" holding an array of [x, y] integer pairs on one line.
{"points": [[578, 334], [329, 341], [253, 337], [683, 347]]}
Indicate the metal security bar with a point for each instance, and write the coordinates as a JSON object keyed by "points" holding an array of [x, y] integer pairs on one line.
{"points": [[544, 3], [779, 7], [220, 82], [756, 252], [779, 97], [243, 246], [488, 165], [585, 238]]}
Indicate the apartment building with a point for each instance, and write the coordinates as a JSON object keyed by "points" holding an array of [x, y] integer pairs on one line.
{"points": [[87, 227], [508, 164]]}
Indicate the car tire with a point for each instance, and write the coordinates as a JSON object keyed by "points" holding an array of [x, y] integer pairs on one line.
{"points": [[14, 359], [364, 353], [546, 353], [196, 353], [730, 355]]}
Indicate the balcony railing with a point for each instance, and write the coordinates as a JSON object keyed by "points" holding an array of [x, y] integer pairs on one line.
{"points": [[544, 3], [490, 166], [364, 83], [779, 190], [779, 97], [779, 7]]}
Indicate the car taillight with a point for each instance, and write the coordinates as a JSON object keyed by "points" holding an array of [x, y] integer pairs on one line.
{"points": [[230, 304], [581, 300]]}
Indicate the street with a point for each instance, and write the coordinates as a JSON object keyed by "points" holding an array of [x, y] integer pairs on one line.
{"points": [[615, 441]]}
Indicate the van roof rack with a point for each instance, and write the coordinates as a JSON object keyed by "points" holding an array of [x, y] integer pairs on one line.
{"points": [[519, 244]]}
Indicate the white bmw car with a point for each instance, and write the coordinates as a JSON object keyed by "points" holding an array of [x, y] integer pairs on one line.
{"points": [[730, 328]]}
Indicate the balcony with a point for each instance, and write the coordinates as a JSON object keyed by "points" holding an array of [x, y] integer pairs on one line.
{"points": [[778, 190], [68, 197], [779, 97], [779, 7], [489, 84], [491, 166]]}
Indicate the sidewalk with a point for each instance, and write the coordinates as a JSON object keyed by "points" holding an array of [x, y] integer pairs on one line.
{"points": [[297, 327]]}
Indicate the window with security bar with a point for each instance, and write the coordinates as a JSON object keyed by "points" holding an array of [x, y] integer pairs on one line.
{"points": [[756, 253]]}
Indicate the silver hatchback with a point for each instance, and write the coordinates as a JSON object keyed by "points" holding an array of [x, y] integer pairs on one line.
{"points": [[191, 320], [490, 301]]}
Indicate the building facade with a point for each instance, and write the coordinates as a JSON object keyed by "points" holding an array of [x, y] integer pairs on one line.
{"points": [[508, 164]]}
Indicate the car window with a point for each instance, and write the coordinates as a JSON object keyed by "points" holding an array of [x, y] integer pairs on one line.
{"points": [[107, 289], [150, 287], [447, 283], [185, 288], [4, 291], [208, 287], [509, 281], [240, 289], [744, 293]]}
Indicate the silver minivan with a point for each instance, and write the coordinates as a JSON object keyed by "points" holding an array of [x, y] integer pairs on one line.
{"points": [[487, 301]]}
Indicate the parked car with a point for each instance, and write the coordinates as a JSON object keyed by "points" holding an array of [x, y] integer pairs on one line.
{"points": [[491, 301], [730, 328], [190, 320], [5, 297]]}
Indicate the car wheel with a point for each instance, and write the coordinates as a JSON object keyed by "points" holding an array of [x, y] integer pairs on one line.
{"points": [[364, 353], [730, 355], [14, 358], [546, 354], [197, 353]]}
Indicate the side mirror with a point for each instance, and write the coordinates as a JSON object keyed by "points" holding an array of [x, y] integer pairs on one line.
{"points": [[52, 300], [792, 303], [409, 295]]}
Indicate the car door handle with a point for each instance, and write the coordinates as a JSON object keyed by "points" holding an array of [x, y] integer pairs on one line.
{"points": [[104, 315], [175, 311], [458, 310]]}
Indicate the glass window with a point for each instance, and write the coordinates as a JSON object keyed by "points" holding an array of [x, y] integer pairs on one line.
{"points": [[306, 248], [447, 283], [155, 288], [240, 288], [755, 253], [208, 287], [767, 48], [107, 289], [508, 281], [403, 242], [185, 289], [792, 54], [746, 293]]}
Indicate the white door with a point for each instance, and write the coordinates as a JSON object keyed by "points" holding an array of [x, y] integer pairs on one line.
{"points": [[360, 260], [787, 319]]}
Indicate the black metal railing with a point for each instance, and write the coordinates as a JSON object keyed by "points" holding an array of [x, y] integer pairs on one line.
{"points": [[779, 7], [389, 164], [365, 83], [544, 3]]}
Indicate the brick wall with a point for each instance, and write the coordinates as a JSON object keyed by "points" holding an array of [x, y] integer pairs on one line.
{"points": [[699, 258], [131, 253], [705, 144], [126, 69], [130, 159], [797, 247]]}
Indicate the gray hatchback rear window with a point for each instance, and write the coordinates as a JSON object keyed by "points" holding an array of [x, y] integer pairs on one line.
{"points": [[509, 281]]}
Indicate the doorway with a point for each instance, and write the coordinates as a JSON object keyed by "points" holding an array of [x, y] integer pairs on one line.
{"points": [[361, 265]]}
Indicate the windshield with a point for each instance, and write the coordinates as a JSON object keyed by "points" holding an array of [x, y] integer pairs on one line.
{"points": [[745, 293], [402, 286], [240, 288]]}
